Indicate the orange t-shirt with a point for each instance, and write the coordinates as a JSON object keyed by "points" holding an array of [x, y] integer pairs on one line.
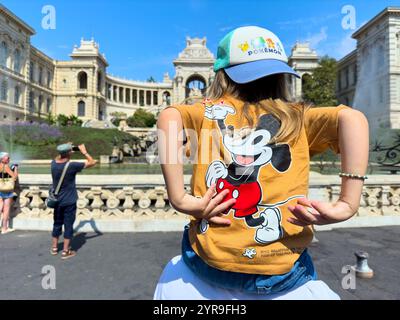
{"points": [[264, 178]]}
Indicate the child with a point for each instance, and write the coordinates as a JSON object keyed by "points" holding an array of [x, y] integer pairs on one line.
{"points": [[251, 221]]}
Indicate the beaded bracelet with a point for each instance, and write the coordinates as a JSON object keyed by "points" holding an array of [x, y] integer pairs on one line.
{"points": [[352, 175]]}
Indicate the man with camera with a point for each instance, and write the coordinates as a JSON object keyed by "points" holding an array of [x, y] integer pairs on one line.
{"points": [[63, 172]]}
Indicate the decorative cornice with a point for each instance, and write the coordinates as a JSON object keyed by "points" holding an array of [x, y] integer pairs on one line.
{"points": [[42, 55], [349, 56], [380, 15], [139, 84], [196, 51], [17, 20]]}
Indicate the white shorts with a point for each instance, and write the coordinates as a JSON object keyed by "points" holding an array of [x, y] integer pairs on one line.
{"points": [[178, 282]]}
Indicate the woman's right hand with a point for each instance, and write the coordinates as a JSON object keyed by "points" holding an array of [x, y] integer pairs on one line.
{"points": [[210, 207]]}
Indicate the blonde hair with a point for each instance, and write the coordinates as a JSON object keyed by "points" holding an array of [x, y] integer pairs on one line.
{"points": [[270, 94]]}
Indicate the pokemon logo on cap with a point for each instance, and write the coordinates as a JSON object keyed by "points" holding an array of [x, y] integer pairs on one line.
{"points": [[250, 44]]}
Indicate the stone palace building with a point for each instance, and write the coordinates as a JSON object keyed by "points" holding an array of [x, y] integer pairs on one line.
{"points": [[369, 76], [33, 85]]}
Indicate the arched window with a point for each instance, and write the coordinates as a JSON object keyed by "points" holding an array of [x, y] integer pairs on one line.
{"points": [[195, 86], [99, 82], [3, 54], [81, 109], [167, 98], [32, 71], [17, 95], [4, 91], [31, 102], [17, 60], [398, 47], [40, 76], [48, 105], [101, 113], [82, 80], [40, 104], [48, 79], [109, 91]]}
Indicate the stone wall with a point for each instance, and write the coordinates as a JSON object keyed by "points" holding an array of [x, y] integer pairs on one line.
{"points": [[140, 203]]}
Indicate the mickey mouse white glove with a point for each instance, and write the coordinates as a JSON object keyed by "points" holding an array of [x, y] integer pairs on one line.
{"points": [[218, 112], [216, 170]]}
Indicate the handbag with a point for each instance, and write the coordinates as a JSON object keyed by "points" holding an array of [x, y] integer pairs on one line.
{"points": [[52, 200], [6, 184]]}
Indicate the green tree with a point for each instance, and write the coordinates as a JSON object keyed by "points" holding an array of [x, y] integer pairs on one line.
{"points": [[319, 88], [141, 118], [135, 123], [116, 117], [65, 121], [75, 121], [50, 119]]}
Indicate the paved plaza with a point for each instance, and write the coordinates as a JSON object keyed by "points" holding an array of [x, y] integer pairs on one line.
{"points": [[127, 265]]}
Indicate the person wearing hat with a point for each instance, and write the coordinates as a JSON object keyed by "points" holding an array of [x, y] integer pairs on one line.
{"points": [[65, 210], [250, 219], [6, 198]]}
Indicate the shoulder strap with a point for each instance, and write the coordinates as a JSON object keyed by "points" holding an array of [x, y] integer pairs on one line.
{"points": [[61, 179]]}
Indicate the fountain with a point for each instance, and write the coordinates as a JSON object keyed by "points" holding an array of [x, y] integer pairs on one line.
{"points": [[141, 151]]}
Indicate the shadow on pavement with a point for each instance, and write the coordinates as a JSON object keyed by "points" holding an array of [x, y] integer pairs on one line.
{"points": [[79, 240]]}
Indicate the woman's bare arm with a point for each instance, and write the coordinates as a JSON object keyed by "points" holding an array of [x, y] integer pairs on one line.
{"points": [[8, 170], [170, 150], [354, 150]]}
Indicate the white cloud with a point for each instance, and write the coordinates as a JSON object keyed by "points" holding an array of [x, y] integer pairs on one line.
{"points": [[346, 45], [317, 38], [309, 21]]}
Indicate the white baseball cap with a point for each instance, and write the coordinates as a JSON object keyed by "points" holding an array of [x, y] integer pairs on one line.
{"points": [[249, 53], [3, 154]]}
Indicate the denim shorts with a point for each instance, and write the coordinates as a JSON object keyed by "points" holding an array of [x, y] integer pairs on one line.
{"points": [[302, 272], [6, 195]]}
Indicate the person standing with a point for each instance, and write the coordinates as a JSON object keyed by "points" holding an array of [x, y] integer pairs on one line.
{"points": [[65, 210], [6, 198]]}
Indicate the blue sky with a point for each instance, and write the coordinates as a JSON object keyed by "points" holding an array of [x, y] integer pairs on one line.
{"points": [[141, 38]]}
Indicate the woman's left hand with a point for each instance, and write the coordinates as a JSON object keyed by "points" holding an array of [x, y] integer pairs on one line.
{"points": [[309, 212]]}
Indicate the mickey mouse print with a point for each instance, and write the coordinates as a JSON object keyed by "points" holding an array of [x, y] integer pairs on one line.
{"points": [[250, 150]]}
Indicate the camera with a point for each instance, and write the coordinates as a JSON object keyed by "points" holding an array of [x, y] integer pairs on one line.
{"points": [[75, 148]]}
